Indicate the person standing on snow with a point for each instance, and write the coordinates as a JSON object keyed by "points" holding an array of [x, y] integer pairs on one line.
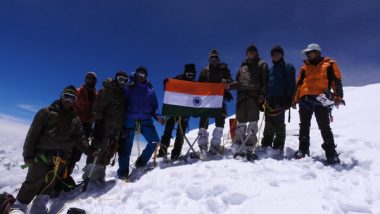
{"points": [[55, 130], [251, 85], [188, 75], [280, 90], [215, 72], [83, 109], [141, 107], [108, 111], [319, 75]]}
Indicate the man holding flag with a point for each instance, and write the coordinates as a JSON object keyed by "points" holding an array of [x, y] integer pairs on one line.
{"points": [[188, 75], [215, 72]]}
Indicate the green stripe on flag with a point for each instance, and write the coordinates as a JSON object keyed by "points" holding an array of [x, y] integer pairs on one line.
{"points": [[174, 110]]}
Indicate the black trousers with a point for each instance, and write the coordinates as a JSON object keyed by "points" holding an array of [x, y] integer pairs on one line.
{"points": [[308, 107], [165, 139], [275, 128], [76, 154]]}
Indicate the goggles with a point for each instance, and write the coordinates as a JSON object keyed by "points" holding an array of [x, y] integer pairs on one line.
{"points": [[69, 97], [122, 79]]}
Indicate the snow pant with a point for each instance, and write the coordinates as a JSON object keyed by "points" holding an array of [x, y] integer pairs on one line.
{"points": [[247, 110], [242, 132], [40, 178], [165, 139], [76, 154], [275, 128], [309, 106], [150, 134], [217, 133]]}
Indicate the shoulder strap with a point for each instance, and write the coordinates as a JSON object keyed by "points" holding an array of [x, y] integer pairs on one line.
{"points": [[330, 75]]}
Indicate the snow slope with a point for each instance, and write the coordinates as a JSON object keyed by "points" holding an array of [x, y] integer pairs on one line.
{"points": [[235, 186]]}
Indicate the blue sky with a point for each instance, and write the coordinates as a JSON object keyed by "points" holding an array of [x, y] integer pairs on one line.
{"points": [[46, 45]]}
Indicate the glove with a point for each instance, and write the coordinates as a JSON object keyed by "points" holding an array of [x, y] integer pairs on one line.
{"points": [[288, 102], [228, 96], [337, 101], [29, 160]]}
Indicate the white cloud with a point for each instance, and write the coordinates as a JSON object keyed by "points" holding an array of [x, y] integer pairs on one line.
{"points": [[27, 107]]}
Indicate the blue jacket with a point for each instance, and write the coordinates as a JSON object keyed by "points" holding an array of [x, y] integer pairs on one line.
{"points": [[141, 101], [281, 81]]}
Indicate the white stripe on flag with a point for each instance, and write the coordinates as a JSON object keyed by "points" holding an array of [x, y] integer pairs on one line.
{"points": [[194, 101]]}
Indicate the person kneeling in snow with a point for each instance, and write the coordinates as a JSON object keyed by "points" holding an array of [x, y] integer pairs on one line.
{"points": [[108, 111], [54, 132], [280, 89], [251, 85], [141, 106], [318, 76]]}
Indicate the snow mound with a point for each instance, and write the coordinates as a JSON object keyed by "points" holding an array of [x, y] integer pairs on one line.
{"points": [[227, 185]]}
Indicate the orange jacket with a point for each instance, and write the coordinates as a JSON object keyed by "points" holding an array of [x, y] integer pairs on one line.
{"points": [[315, 79], [84, 103]]}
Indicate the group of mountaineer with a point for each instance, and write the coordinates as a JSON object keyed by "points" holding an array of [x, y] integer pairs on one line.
{"points": [[104, 123]]}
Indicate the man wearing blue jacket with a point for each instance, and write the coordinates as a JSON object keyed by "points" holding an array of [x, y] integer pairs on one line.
{"points": [[280, 89], [141, 107]]}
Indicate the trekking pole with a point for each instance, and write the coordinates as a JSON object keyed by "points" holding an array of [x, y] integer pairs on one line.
{"points": [[260, 127], [289, 115], [155, 155], [87, 180], [138, 125]]}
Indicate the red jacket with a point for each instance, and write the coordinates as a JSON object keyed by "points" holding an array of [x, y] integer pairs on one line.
{"points": [[84, 103]]}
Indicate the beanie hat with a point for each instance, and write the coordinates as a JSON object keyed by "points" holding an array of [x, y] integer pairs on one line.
{"points": [[250, 49], [91, 73], [278, 49], [121, 73], [213, 52], [70, 90], [190, 68], [142, 69]]}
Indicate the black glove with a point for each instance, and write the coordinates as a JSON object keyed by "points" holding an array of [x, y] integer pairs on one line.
{"points": [[29, 160], [228, 96]]}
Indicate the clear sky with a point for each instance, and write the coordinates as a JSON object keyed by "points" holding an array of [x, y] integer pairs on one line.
{"points": [[48, 44]]}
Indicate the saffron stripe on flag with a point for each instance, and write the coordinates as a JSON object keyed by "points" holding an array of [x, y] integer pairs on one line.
{"points": [[195, 88]]}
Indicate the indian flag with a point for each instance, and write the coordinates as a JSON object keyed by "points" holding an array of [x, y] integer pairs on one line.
{"points": [[185, 98]]}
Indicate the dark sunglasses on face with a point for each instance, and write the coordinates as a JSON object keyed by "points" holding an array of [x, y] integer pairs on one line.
{"points": [[69, 97], [190, 75], [142, 75], [122, 79]]}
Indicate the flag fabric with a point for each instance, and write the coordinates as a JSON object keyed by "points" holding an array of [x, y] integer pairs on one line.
{"points": [[185, 98]]}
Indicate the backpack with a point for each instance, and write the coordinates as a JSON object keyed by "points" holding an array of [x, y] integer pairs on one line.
{"points": [[6, 201]]}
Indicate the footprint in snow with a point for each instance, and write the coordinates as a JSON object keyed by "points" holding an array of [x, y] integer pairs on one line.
{"points": [[234, 199]]}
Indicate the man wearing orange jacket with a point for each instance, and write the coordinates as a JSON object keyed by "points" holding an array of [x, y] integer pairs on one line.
{"points": [[319, 76]]}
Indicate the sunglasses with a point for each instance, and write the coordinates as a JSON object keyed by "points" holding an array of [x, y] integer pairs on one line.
{"points": [[190, 75], [142, 75], [69, 97], [214, 57], [121, 79]]}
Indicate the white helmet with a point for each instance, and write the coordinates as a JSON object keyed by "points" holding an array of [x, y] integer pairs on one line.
{"points": [[311, 47]]}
